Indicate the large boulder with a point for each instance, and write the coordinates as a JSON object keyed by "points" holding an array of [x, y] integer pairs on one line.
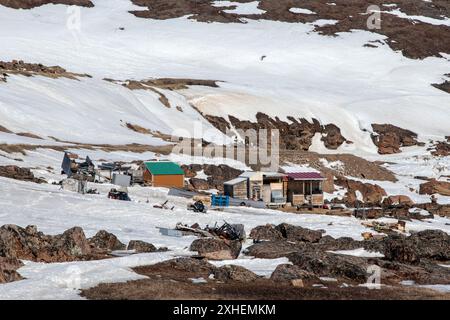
{"points": [[324, 264], [370, 194], [8, 267], [73, 243], [398, 201], [141, 246], [298, 234], [389, 138], [398, 248], [29, 244], [434, 186], [234, 273], [272, 249], [188, 264], [104, 240], [18, 173], [199, 184], [428, 244], [216, 249], [289, 272], [343, 243], [265, 233]]}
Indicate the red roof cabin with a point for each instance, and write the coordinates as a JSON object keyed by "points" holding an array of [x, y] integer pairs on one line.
{"points": [[305, 188]]}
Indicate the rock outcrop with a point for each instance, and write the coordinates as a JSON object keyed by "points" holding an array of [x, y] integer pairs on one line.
{"points": [[216, 249], [216, 175], [265, 233], [325, 264], [234, 273], [8, 269], [18, 173], [428, 244], [297, 134], [29, 244], [289, 272], [389, 138], [141, 246], [371, 194], [434, 186], [104, 240], [298, 234], [397, 201]]}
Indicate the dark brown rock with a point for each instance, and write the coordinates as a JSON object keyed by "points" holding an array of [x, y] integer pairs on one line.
{"points": [[8, 269], [324, 264], [199, 184], [73, 243], [17, 173], [434, 186], [398, 200], [372, 194], [298, 234], [399, 249], [29, 244], [267, 233], [187, 264], [289, 272], [216, 249], [106, 241], [141, 246], [234, 273], [428, 244], [28, 4], [442, 149], [389, 138], [272, 249]]}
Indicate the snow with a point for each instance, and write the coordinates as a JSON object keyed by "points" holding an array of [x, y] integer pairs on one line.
{"points": [[445, 288], [360, 252], [241, 8], [301, 10], [304, 74], [54, 210], [299, 64], [399, 13], [64, 280]]}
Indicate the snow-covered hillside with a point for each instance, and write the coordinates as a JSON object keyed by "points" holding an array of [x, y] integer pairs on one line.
{"points": [[133, 76], [303, 74]]}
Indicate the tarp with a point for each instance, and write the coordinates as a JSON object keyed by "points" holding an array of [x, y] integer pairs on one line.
{"points": [[66, 165]]}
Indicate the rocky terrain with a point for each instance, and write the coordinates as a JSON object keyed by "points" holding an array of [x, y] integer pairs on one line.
{"points": [[312, 264], [28, 4], [367, 107], [349, 15]]}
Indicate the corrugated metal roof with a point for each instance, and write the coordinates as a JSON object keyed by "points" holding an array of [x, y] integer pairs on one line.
{"points": [[248, 174], [163, 168], [305, 176], [235, 181]]}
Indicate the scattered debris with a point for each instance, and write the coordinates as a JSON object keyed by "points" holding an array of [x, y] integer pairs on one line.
{"points": [[385, 227], [163, 206]]}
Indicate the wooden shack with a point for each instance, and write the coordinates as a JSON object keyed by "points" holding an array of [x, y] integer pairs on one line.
{"points": [[305, 188], [163, 174], [274, 188], [236, 188], [255, 184]]}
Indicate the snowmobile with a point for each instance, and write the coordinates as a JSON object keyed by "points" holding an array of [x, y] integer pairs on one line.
{"points": [[118, 195], [197, 206]]}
